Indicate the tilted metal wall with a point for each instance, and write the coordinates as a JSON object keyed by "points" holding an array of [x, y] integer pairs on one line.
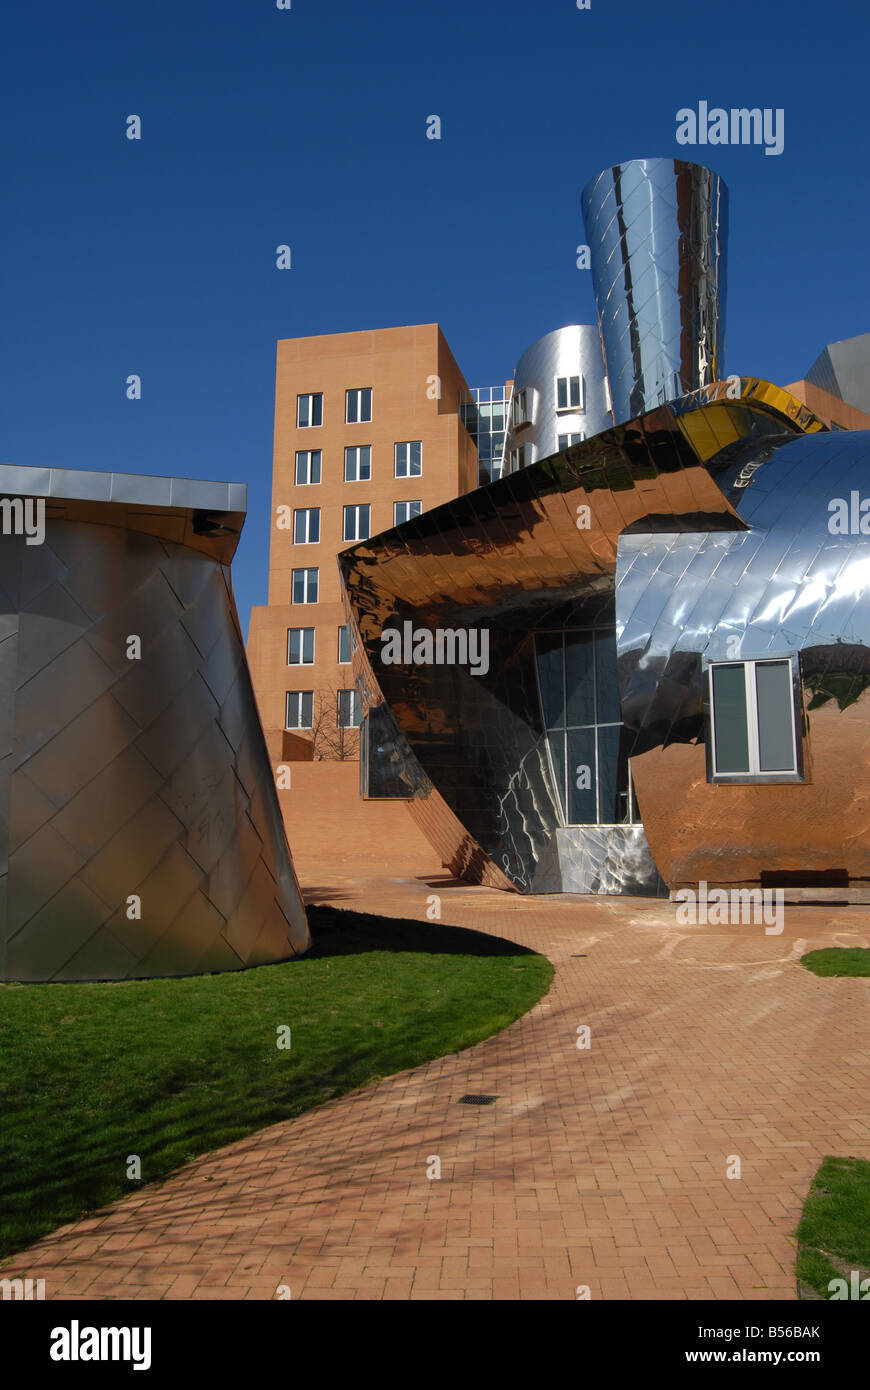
{"points": [[124, 778], [658, 231]]}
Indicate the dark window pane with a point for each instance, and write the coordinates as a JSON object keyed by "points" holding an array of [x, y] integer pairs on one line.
{"points": [[580, 675], [307, 708], [607, 680], [612, 778], [729, 719], [561, 393], [343, 645], [581, 777], [318, 410], [551, 677], [366, 412], [775, 716]]}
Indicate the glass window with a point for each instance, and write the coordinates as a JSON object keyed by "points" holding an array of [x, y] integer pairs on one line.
{"points": [[409, 459], [343, 646], [518, 458], [752, 713], [569, 393], [520, 408], [309, 410], [566, 440], [403, 511], [356, 523], [577, 677], [358, 463], [300, 709], [304, 586], [348, 709], [358, 406], [308, 466], [306, 525], [300, 646]]}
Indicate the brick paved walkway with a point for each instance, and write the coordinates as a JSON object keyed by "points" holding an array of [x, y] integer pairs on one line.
{"points": [[603, 1167]]}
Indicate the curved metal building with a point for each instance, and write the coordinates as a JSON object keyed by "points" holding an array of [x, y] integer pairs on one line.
{"points": [[140, 833], [559, 396], [658, 234], [627, 587]]}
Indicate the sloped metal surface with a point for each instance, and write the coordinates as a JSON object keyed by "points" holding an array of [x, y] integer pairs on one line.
{"points": [[126, 779]]}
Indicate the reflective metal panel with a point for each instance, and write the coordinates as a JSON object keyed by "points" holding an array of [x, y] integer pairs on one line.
{"points": [[141, 833], [536, 550], [657, 231], [566, 354]]}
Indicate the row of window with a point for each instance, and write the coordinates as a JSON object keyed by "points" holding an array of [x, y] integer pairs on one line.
{"points": [[357, 408], [300, 644], [569, 396], [563, 441], [356, 521], [407, 463], [300, 709]]}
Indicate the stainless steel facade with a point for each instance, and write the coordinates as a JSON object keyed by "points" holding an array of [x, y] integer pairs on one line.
{"points": [[141, 833], [657, 230], [566, 353], [515, 559]]}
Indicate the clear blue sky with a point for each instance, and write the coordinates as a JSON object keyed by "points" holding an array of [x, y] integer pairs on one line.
{"points": [[307, 127]]}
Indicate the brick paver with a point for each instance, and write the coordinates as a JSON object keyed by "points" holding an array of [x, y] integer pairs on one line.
{"points": [[604, 1167]]}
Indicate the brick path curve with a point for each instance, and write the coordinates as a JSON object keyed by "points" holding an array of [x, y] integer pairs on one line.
{"points": [[604, 1167]]}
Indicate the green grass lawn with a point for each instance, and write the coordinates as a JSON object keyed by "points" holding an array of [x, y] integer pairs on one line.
{"points": [[834, 1233], [838, 960], [170, 1069]]}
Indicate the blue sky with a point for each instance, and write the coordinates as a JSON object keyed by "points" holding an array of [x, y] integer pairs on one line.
{"points": [[307, 127]]}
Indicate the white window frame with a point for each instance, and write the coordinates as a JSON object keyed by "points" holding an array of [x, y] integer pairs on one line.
{"points": [[521, 411], [355, 710], [344, 660], [409, 472], [308, 456], [312, 569], [415, 502], [579, 409], [307, 512], [518, 458], [310, 397], [357, 392], [571, 444], [755, 773], [355, 450], [357, 508], [303, 631], [300, 695]]}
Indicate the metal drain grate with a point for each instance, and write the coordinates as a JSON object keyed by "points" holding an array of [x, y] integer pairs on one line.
{"points": [[478, 1100]]}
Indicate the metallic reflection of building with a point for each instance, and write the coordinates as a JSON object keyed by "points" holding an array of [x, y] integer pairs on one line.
{"points": [[141, 833]]}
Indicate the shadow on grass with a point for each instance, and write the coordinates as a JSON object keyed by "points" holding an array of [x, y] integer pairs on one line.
{"points": [[337, 933]]}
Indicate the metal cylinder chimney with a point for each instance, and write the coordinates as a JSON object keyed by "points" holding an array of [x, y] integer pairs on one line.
{"points": [[657, 230]]}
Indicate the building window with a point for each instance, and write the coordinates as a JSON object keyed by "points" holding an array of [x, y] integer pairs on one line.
{"points": [[357, 523], [409, 459], [403, 511], [518, 458], [566, 440], [300, 709], [308, 466], [343, 646], [569, 393], [309, 410], [300, 646], [358, 406], [358, 463], [579, 691], [304, 586], [520, 408], [348, 709], [753, 729], [306, 525]]}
